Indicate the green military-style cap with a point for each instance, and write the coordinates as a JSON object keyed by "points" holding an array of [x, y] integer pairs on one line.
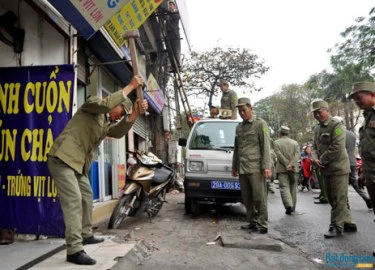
{"points": [[243, 101], [317, 104], [284, 130], [223, 82], [362, 86]]}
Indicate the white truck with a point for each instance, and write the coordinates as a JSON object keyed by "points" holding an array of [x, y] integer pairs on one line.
{"points": [[208, 164]]}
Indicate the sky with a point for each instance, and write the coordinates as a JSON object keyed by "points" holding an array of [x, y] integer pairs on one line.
{"points": [[292, 36]]}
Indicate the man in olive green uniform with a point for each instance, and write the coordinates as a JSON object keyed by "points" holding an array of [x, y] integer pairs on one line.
{"points": [[333, 162], [70, 157], [251, 161], [322, 198], [363, 94], [228, 99], [287, 152], [350, 144]]}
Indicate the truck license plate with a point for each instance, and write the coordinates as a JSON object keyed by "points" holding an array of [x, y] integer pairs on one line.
{"points": [[234, 185]]}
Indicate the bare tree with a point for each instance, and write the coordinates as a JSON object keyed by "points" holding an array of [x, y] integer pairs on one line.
{"points": [[203, 70]]}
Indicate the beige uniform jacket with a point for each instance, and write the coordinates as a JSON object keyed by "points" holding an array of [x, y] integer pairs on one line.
{"points": [[252, 147], [86, 130], [287, 152], [329, 142]]}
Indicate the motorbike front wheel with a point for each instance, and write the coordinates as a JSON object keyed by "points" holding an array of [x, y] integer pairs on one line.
{"points": [[156, 203], [119, 212]]}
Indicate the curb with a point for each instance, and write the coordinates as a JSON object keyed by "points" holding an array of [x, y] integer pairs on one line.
{"points": [[41, 258]]}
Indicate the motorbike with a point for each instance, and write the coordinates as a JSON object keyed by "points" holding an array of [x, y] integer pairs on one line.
{"points": [[148, 180]]}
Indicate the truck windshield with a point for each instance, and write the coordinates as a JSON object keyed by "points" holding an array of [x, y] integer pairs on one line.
{"points": [[213, 136]]}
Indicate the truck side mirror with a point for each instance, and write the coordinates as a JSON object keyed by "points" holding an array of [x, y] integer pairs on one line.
{"points": [[182, 141]]}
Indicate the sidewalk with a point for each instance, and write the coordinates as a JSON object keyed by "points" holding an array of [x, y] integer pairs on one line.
{"points": [[51, 254]]}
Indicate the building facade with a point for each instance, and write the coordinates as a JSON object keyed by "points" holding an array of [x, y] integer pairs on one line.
{"points": [[45, 37]]}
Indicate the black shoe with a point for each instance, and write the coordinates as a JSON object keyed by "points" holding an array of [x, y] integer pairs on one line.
{"points": [[92, 240], [316, 198], [260, 231], [321, 202], [250, 226], [332, 232], [350, 227], [289, 210], [80, 257], [368, 203]]}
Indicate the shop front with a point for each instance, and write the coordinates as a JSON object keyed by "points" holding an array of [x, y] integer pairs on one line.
{"points": [[99, 67]]}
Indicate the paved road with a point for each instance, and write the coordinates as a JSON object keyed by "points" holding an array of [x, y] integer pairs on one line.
{"points": [[306, 231], [173, 240]]}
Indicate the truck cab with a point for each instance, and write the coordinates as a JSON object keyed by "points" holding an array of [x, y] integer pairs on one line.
{"points": [[208, 164]]}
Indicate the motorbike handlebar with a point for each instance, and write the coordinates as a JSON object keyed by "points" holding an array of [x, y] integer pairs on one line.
{"points": [[137, 155]]}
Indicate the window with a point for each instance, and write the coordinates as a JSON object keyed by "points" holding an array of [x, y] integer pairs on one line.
{"points": [[213, 135]]}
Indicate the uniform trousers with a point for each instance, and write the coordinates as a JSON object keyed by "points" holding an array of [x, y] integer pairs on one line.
{"points": [[75, 195], [288, 188], [336, 189], [254, 196], [369, 174], [322, 195]]}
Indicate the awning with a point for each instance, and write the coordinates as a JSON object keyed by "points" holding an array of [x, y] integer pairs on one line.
{"points": [[105, 53]]}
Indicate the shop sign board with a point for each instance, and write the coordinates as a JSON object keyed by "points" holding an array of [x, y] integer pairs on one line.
{"points": [[130, 17], [87, 16], [154, 94], [35, 105]]}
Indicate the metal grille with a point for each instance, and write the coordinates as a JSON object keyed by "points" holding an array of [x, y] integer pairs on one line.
{"points": [[140, 126]]}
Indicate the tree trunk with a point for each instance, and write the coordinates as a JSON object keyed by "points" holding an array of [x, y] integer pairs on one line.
{"points": [[210, 99]]}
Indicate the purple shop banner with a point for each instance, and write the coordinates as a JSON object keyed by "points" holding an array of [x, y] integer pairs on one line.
{"points": [[35, 105]]}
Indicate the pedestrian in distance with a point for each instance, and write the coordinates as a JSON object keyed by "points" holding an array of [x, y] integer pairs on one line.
{"points": [[306, 167], [350, 144], [333, 162], [251, 161], [70, 157], [363, 94], [287, 152], [228, 99]]}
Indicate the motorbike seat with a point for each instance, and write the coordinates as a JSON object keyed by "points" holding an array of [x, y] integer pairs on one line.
{"points": [[161, 175]]}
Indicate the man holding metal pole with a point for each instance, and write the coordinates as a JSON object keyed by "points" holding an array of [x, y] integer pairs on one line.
{"points": [[70, 158]]}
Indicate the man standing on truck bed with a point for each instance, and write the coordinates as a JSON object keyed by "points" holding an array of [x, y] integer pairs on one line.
{"points": [[228, 99], [252, 161]]}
